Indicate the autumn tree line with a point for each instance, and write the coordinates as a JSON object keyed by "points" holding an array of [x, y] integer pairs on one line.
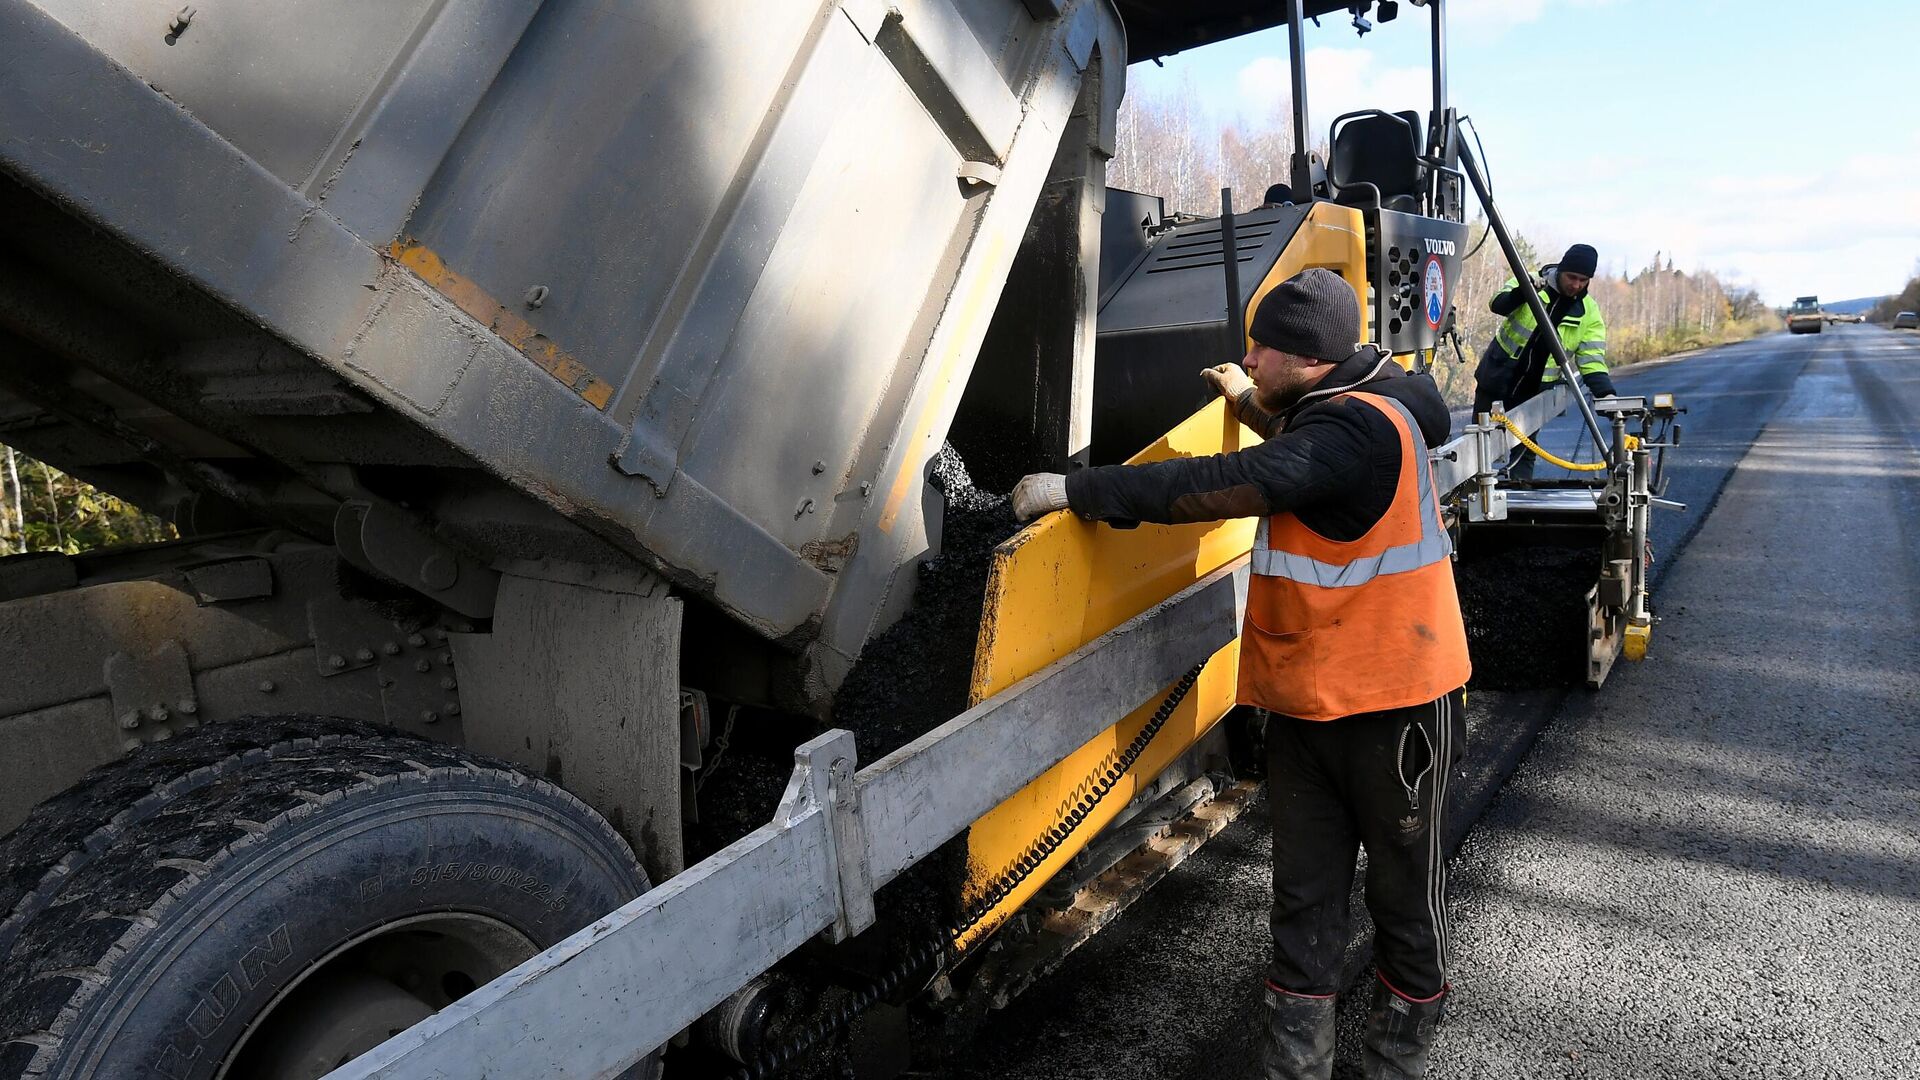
{"points": [[1907, 299], [1169, 146]]}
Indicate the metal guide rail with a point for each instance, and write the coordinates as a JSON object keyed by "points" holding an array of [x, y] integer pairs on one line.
{"points": [[1480, 452], [623, 986]]}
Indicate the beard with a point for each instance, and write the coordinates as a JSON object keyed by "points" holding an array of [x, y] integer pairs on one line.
{"points": [[1291, 385]]}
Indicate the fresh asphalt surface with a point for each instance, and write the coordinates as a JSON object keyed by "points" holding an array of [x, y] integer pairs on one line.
{"points": [[1710, 868]]}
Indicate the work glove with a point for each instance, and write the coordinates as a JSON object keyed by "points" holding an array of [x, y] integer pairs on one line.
{"points": [[1037, 494], [1231, 381]]}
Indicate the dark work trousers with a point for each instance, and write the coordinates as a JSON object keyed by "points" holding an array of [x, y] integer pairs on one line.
{"points": [[1520, 463], [1377, 780]]}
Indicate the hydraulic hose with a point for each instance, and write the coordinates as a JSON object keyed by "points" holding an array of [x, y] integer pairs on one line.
{"points": [[1553, 459]]}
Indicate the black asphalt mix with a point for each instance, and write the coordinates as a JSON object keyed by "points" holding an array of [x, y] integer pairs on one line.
{"points": [[1709, 869]]}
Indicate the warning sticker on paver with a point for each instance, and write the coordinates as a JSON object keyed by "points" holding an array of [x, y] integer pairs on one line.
{"points": [[1434, 285]]}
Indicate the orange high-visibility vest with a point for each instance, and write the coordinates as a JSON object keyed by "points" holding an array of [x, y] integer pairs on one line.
{"points": [[1339, 627]]}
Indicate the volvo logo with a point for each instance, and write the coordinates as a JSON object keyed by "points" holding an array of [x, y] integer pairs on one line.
{"points": [[1438, 247]]}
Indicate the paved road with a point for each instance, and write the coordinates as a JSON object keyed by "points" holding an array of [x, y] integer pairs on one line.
{"points": [[1712, 868], [1730, 393]]}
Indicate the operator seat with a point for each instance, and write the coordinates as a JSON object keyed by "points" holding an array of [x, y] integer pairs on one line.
{"points": [[1377, 151]]}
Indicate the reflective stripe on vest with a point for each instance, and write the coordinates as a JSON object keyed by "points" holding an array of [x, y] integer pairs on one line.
{"points": [[1584, 336], [1589, 357], [1513, 337], [1433, 546]]}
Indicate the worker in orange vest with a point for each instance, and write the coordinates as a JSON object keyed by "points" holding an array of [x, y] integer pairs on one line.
{"points": [[1353, 646]]}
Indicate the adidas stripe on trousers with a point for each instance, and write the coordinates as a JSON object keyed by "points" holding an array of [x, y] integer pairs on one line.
{"points": [[1376, 781]]}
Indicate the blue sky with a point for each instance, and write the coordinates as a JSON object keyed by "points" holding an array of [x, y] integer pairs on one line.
{"points": [[1771, 144]]}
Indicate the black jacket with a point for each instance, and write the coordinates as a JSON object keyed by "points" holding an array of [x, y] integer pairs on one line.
{"points": [[1334, 463]]}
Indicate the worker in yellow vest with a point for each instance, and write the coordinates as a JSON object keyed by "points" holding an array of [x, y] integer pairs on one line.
{"points": [[1353, 646], [1518, 362]]}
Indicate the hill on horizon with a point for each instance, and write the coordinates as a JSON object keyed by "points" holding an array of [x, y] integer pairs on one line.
{"points": [[1851, 307]]}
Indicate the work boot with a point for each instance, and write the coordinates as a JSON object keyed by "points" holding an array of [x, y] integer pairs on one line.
{"points": [[1299, 1039], [1399, 1031]]}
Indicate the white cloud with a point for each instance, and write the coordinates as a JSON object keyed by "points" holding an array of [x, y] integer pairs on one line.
{"points": [[1265, 85], [1483, 21], [1844, 227], [1494, 14], [1338, 81]]}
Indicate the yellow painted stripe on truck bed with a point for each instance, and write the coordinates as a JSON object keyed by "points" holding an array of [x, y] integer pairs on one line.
{"points": [[514, 330]]}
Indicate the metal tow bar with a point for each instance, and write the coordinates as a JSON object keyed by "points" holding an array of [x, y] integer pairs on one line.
{"points": [[612, 993]]}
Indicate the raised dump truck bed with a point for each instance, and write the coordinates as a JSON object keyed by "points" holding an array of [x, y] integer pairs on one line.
{"points": [[553, 381], [695, 285]]}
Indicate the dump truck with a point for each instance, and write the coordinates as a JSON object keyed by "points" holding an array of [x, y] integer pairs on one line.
{"points": [[552, 400]]}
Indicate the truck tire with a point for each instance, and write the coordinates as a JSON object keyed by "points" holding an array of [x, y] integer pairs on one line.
{"points": [[270, 897]]}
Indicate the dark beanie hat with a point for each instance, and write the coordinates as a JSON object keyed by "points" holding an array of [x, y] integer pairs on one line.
{"points": [[1313, 313], [1580, 259]]}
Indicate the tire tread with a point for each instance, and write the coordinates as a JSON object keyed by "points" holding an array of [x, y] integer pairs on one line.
{"points": [[94, 870]]}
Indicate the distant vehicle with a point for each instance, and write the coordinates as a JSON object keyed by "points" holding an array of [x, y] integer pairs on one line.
{"points": [[1804, 317], [1906, 320]]}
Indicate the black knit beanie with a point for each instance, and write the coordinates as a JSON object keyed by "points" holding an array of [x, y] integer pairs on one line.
{"points": [[1313, 313], [1580, 259]]}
